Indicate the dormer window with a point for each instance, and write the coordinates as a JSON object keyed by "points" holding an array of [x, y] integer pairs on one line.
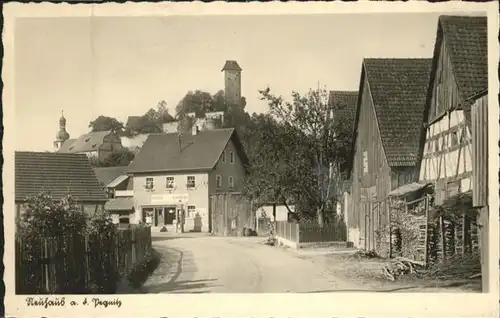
{"points": [[231, 157]]}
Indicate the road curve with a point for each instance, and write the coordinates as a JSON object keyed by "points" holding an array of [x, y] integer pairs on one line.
{"points": [[197, 263]]}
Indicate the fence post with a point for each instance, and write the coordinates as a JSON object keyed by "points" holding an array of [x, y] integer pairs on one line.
{"points": [[297, 229]]}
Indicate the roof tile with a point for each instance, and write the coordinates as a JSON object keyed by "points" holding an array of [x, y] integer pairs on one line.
{"points": [[58, 173], [399, 91], [162, 152], [85, 143], [466, 38]]}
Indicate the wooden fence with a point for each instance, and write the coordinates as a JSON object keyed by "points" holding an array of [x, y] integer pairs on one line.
{"points": [[230, 214], [311, 232], [79, 264]]}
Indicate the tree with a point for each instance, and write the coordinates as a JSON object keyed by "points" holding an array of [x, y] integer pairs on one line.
{"points": [[304, 158], [116, 159], [200, 103], [104, 123], [151, 122]]}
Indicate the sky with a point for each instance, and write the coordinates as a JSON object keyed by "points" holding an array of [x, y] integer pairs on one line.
{"points": [[122, 66]]}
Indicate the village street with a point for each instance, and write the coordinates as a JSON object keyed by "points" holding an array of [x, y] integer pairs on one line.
{"points": [[200, 263]]}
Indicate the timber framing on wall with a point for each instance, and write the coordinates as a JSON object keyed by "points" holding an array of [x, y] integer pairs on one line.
{"points": [[459, 72]]}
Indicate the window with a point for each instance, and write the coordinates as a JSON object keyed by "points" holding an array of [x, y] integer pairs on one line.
{"points": [[191, 211], [231, 182], [365, 161], [231, 157], [218, 182], [150, 184], [223, 156], [191, 182], [170, 183]]}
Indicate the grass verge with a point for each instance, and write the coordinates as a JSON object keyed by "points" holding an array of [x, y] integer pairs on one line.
{"points": [[138, 276], [367, 270]]}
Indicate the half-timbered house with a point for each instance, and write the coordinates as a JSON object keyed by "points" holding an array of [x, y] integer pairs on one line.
{"points": [[387, 134], [459, 71]]}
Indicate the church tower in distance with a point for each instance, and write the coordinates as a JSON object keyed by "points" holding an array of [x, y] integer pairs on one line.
{"points": [[232, 81], [62, 135]]}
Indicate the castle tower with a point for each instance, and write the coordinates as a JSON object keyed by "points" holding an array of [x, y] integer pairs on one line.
{"points": [[62, 135], [232, 81]]}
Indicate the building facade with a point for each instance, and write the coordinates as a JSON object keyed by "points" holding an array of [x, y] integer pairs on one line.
{"points": [[459, 71], [387, 135], [174, 176], [343, 105]]}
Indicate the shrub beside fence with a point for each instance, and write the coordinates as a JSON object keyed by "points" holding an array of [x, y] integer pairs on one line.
{"points": [[311, 232], [79, 264]]}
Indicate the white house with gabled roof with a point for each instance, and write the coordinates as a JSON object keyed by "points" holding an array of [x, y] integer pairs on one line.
{"points": [[175, 172]]}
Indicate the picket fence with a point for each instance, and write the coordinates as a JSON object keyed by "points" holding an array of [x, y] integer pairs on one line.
{"points": [[79, 264]]}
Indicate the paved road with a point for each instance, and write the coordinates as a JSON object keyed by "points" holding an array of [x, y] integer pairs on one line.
{"points": [[197, 263]]}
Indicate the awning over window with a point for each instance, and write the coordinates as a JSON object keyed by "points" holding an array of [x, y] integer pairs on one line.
{"points": [[408, 188], [117, 181], [120, 204]]}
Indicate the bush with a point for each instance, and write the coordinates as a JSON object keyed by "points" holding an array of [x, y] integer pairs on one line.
{"points": [[163, 229], [45, 217], [65, 225]]}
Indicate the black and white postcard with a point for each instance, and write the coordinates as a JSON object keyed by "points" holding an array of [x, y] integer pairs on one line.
{"points": [[258, 159]]}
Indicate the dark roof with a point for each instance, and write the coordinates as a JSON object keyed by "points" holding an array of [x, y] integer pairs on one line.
{"points": [[66, 145], [59, 174], [107, 174], [231, 66], [133, 121], [344, 105], [120, 204], [85, 143], [467, 42], [198, 152], [399, 89]]}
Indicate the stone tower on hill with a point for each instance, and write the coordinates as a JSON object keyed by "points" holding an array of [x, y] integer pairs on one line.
{"points": [[232, 81]]}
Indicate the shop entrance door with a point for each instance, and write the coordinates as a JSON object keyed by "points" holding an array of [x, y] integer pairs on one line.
{"points": [[160, 217], [169, 215]]}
